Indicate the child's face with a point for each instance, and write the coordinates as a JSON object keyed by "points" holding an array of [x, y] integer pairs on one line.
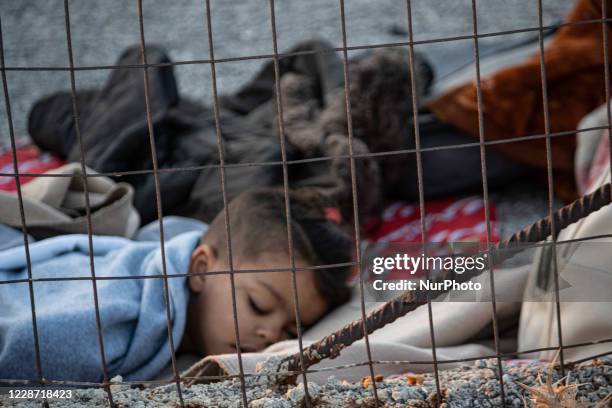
{"points": [[264, 303]]}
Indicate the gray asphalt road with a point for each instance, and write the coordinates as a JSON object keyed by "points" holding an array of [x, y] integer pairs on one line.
{"points": [[34, 35]]}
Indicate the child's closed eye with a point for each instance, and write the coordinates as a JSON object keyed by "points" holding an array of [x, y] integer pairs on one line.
{"points": [[256, 308]]}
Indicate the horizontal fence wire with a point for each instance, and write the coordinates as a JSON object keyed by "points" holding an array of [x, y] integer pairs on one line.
{"points": [[271, 270], [309, 52], [314, 159], [336, 367]]}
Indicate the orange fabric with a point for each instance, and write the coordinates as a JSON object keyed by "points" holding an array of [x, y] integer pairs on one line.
{"points": [[512, 97]]}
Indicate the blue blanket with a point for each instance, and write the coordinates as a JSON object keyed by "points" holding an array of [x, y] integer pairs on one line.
{"points": [[132, 311]]}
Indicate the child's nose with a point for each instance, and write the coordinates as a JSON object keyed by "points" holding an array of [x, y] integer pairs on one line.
{"points": [[269, 334]]}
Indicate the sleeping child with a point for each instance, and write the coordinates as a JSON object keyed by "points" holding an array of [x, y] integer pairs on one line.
{"points": [[130, 292]]}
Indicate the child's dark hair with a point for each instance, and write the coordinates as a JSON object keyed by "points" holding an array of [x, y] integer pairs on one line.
{"points": [[258, 226]]}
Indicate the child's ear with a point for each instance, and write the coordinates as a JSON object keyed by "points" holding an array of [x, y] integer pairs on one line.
{"points": [[202, 258]]}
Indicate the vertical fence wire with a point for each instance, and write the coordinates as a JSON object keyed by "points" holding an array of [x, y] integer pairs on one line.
{"points": [[349, 122], [549, 173], [485, 198], [75, 111], [220, 151], [281, 130], [417, 142], [24, 227], [604, 31], [158, 201]]}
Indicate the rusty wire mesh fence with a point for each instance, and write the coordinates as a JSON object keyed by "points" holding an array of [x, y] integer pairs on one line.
{"points": [[303, 359]]}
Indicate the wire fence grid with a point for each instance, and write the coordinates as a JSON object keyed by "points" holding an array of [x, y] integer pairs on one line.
{"points": [[302, 369]]}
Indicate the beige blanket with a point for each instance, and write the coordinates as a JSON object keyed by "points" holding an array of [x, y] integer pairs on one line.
{"points": [[56, 205], [586, 305]]}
